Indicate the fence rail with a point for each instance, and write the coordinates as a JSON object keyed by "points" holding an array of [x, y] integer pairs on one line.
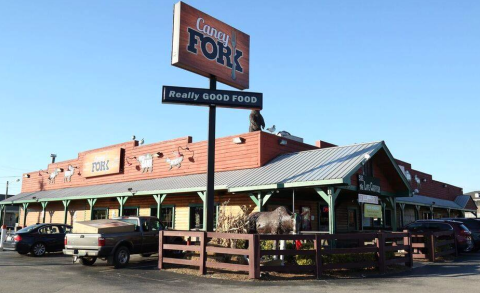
{"points": [[326, 246], [426, 244]]}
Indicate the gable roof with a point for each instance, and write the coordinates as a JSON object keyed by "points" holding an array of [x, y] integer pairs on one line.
{"points": [[334, 165]]}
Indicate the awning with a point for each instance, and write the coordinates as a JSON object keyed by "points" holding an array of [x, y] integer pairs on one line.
{"points": [[431, 201]]}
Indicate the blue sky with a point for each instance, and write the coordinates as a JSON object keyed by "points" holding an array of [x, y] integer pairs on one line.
{"points": [[77, 75]]}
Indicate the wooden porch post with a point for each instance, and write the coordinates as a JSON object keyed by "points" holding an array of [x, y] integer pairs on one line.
{"points": [[25, 208], [121, 201], [159, 198], [330, 197], [44, 209], [202, 195], [393, 203], [448, 211], [402, 214], [91, 203], [260, 199], [417, 214], [384, 205], [66, 203]]}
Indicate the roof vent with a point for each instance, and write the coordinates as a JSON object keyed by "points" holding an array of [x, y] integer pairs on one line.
{"points": [[286, 134]]}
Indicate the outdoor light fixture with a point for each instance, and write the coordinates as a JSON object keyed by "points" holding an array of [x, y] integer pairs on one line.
{"points": [[26, 175], [158, 155], [282, 142], [238, 140], [60, 169], [445, 185], [424, 179]]}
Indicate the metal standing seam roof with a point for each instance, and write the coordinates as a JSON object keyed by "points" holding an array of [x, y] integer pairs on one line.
{"points": [[462, 200], [427, 201], [305, 168], [309, 166], [177, 184]]}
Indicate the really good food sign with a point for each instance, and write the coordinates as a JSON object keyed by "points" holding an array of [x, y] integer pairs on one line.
{"points": [[207, 46]]}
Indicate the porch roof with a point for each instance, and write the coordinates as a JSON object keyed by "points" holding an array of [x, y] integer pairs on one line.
{"points": [[177, 184], [428, 201]]}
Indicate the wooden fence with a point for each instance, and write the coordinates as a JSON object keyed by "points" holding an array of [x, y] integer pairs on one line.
{"points": [[326, 246], [425, 245]]}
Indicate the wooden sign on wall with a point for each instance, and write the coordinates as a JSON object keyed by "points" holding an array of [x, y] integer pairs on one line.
{"points": [[102, 163], [207, 46]]}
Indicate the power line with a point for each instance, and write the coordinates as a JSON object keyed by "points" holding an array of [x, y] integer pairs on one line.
{"points": [[13, 168]]}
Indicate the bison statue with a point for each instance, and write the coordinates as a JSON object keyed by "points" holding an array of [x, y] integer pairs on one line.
{"points": [[278, 221]]}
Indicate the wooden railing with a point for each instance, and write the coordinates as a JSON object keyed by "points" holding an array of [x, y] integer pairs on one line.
{"points": [[425, 245], [378, 245], [202, 248]]}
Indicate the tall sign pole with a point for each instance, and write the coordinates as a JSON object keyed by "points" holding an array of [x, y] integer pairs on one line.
{"points": [[210, 196], [209, 47]]}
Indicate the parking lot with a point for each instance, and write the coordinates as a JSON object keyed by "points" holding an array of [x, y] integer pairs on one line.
{"points": [[55, 273]]}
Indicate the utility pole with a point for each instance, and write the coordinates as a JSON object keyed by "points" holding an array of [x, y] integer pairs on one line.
{"points": [[5, 208]]}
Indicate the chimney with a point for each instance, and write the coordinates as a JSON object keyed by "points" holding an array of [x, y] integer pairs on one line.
{"points": [[53, 156], [323, 144]]}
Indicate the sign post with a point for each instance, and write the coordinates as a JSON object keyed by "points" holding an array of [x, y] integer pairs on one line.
{"points": [[209, 204], [209, 47]]}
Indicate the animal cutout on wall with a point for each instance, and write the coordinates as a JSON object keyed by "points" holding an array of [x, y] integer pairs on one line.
{"points": [[69, 173], [146, 162], [53, 175], [178, 156], [176, 161]]}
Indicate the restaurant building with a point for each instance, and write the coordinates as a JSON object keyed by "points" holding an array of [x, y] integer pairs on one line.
{"points": [[334, 188]]}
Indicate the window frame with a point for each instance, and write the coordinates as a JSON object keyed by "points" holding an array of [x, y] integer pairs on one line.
{"points": [[107, 209], [194, 205], [165, 206], [130, 208]]}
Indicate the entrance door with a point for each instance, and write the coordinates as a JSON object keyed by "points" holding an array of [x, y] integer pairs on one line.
{"points": [[352, 220]]}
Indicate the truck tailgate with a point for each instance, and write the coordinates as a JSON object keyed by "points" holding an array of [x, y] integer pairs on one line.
{"points": [[82, 241]]}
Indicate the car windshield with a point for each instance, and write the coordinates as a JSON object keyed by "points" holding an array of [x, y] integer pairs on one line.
{"points": [[29, 228]]}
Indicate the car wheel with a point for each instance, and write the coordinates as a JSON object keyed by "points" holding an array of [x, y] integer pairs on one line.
{"points": [[88, 261], [39, 249], [121, 257]]}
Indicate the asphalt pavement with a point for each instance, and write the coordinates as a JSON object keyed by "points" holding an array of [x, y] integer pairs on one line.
{"points": [[56, 273]]}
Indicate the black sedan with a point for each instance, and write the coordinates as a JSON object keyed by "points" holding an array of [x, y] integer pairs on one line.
{"points": [[38, 239]]}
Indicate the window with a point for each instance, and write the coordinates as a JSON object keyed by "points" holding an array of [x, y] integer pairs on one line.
{"points": [[67, 229], [130, 211], [49, 230], [368, 168], [324, 210], [196, 217], [167, 215], [100, 213], [427, 216]]}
